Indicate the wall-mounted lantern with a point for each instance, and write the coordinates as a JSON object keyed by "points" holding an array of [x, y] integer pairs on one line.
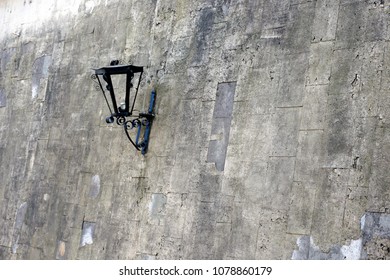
{"points": [[122, 107]]}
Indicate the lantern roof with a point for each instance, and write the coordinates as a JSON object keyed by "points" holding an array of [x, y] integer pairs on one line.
{"points": [[118, 69]]}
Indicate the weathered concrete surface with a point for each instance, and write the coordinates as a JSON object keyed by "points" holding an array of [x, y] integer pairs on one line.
{"points": [[271, 137]]}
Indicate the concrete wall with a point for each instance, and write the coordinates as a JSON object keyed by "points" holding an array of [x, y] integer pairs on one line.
{"points": [[271, 138]]}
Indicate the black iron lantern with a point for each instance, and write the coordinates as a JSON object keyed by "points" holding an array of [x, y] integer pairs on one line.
{"points": [[122, 107]]}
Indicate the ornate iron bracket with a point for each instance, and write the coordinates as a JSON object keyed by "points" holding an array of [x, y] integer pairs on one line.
{"points": [[143, 122]]}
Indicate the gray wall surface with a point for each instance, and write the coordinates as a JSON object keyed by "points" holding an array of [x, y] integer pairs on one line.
{"points": [[271, 137]]}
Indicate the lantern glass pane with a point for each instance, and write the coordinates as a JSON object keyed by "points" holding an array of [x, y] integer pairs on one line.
{"points": [[119, 84]]}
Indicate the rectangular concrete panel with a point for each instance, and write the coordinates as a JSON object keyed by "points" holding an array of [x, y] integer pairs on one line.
{"points": [[220, 128], [285, 124], [314, 107], [301, 208], [3, 98], [379, 192], [280, 173], [310, 156], [325, 21], [320, 63]]}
